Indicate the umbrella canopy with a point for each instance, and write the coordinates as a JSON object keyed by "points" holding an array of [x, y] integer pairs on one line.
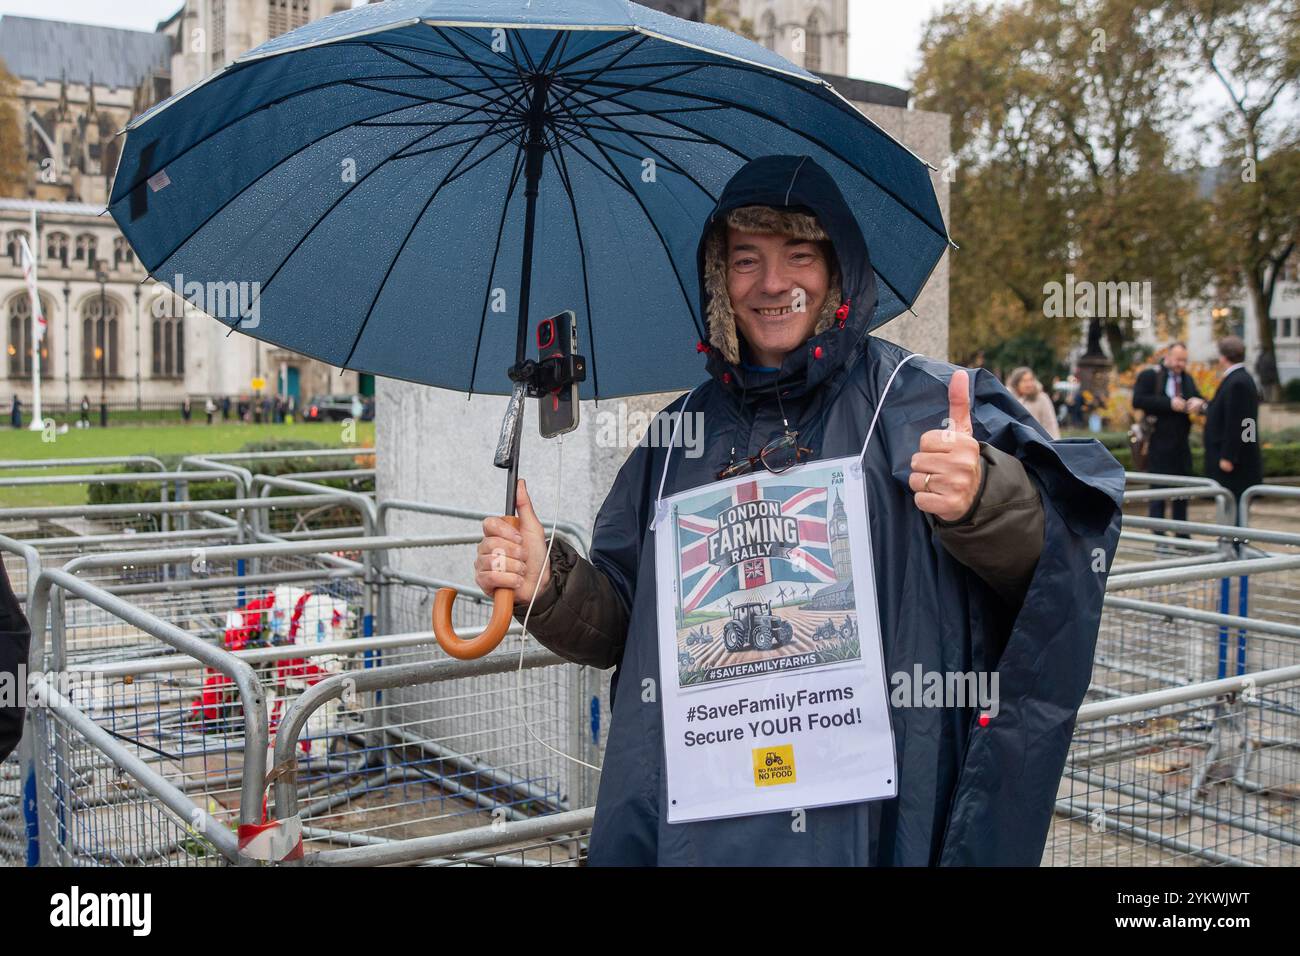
{"points": [[357, 190]]}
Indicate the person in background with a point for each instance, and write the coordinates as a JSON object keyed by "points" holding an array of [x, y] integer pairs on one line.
{"points": [[1232, 452], [210, 409], [1074, 403], [84, 421], [186, 409], [15, 639], [1167, 394], [16, 412], [1024, 386], [225, 407]]}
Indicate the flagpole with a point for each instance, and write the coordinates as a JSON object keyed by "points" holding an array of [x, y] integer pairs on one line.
{"points": [[38, 331]]}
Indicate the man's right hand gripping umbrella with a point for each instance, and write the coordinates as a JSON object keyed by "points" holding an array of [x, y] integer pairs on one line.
{"points": [[510, 565]]}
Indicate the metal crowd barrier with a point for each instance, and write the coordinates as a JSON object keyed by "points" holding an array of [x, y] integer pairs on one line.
{"points": [[192, 714], [386, 752], [1208, 773]]}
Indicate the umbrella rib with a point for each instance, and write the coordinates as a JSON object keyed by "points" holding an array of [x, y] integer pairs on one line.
{"points": [[496, 252], [658, 113], [668, 163], [611, 63], [239, 119], [587, 124], [277, 165], [444, 123], [473, 63], [562, 170], [423, 99], [510, 42], [621, 38], [348, 192], [517, 138], [706, 139], [412, 49], [649, 84], [794, 129], [803, 85], [662, 242], [696, 137], [511, 64], [572, 144], [447, 179], [515, 104]]}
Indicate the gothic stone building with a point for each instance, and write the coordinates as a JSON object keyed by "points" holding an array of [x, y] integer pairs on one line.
{"points": [[78, 86]]}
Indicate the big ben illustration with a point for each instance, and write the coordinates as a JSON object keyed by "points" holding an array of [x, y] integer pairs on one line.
{"points": [[838, 531]]}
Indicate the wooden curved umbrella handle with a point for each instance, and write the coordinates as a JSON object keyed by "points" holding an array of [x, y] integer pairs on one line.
{"points": [[503, 602]]}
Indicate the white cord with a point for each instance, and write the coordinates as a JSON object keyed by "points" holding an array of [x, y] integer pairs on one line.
{"points": [[519, 673]]}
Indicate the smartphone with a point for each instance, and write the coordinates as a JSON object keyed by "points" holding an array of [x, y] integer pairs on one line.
{"points": [[557, 409]]}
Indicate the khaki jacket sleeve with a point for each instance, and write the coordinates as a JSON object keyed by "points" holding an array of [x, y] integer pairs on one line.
{"points": [[578, 615], [1001, 537]]}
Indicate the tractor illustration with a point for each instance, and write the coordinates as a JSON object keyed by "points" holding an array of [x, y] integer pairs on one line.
{"points": [[754, 625], [826, 631]]}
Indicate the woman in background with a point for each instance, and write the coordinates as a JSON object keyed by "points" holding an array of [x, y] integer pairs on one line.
{"points": [[1029, 390]]}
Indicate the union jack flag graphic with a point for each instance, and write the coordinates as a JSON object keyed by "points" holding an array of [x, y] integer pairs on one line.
{"points": [[705, 584]]}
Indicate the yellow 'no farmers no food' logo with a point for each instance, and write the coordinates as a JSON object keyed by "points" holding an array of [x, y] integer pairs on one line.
{"points": [[773, 765]]}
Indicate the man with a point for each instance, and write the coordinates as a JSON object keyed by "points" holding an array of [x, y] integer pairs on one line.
{"points": [[1167, 394], [990, 550], [1232, 453]]}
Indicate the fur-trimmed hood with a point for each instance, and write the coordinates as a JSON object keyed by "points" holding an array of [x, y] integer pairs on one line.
{"points": [[788, 195]]}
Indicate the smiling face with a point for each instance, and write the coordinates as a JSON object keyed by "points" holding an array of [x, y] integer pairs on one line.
{"points": [[777, 286]]}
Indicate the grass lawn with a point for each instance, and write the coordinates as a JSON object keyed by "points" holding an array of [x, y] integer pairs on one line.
{"points": [[195, 438]]}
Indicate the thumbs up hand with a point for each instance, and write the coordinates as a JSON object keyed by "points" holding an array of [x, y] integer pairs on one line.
{"points": [[947, 469]]}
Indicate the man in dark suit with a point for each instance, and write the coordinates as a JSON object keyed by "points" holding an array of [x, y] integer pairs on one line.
{"points": [[1232, 453], [1168, 395]]}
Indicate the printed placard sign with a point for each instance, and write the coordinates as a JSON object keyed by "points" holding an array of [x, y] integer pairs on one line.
{"points": [[773, 686]]}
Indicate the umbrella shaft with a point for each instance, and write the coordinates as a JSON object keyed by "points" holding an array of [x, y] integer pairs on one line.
{"points": [[535, 153]]}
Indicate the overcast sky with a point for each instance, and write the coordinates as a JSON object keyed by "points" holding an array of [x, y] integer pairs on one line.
{"points": [[883, 34]]}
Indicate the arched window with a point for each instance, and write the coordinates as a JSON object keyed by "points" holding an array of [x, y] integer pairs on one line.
{"points": [[768, 34], [168, 347], [122, 254], [19, 312], [812, 58], [56, 248], [99, 337], [86, 248]]}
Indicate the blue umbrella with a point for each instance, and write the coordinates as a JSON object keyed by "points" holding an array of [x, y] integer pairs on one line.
{"points": [[394, 188]]}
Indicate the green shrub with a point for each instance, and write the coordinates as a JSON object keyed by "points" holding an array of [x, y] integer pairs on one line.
{"points": [[219, 489], [1279, 460]]}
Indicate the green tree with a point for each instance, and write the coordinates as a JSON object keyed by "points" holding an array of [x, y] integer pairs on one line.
{"points": [[726, 14], [1063, 118], [13, 146], [1252, 49]]}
